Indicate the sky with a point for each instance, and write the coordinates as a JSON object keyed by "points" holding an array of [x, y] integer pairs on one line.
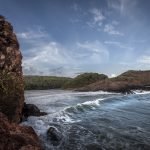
{"points": [[69, 37]]}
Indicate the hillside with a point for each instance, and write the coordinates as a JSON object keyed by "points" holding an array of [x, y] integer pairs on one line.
{"points": [[44, 82], [53, 82], [123, 83], [84, 79]]}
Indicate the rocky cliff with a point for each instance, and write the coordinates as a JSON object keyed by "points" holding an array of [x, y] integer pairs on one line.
{"points": [[11, 81], [12, 135]]}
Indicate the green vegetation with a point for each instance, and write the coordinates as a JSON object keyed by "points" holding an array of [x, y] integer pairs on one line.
{"points": [[8, 83], [10, 89], [84, 79], [44, 82], [53, 82]]}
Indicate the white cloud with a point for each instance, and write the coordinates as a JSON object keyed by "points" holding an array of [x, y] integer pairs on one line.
{"points": [[47, 57], [145, 59], [97, 18], [95, 52], [32, 34], [110, 29], [118, 44]]}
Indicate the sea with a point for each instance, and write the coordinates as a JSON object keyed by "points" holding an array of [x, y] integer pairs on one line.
{"points": [[92, 120]]}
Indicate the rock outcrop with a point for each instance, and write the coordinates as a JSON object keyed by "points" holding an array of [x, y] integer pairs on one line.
{"points": [[15, 137], [54, 136], [31, 110], [124, 83], [11, 80], [12, 136]]}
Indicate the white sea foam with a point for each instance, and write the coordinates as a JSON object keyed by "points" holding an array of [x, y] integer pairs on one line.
{"points": [[66, 118], [94, 102], [141, 92], [83, 106], [93, 93]]}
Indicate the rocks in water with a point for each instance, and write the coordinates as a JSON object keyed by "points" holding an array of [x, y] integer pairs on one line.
{"points": [[32, 110], [11, 79], [15, 137], [54, 136]]}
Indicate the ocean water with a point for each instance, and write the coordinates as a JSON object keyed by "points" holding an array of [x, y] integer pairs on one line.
{"points": [[92, 120]]}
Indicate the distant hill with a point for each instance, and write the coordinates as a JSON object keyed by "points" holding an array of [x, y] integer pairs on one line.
{"points": [[84, 79], [125, 82], [53, 82], [44, 82], [92, 82]]}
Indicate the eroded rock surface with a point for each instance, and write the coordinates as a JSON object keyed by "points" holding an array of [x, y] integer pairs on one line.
{"points": [[15, 137], [11, 80]]}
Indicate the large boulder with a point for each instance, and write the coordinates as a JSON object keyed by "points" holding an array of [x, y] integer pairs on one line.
{"points": [[11, 79], [54, 135], [15, 137], [32, 110]]}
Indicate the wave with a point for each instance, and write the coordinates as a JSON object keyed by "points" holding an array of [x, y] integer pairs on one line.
{"points": [[93, 93], [67, 115], [141, 92], [81, 107]]}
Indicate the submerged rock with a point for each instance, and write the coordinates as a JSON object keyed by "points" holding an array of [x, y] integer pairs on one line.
{"points": [[15, 137], [32, 110], [11, 79], [54, 136]]}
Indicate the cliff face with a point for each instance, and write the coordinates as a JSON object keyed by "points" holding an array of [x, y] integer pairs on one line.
{"points": [[11, 80]]}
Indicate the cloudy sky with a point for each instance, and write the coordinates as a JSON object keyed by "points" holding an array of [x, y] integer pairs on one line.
{"points": [[68, 37]]}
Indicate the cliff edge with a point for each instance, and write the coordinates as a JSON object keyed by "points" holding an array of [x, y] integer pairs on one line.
{"points": [[12, 135]]}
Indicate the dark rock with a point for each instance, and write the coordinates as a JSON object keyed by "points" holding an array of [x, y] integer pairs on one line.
{"points": [[15, 137], [32, 110], [11, 79], [54, 136], [93, 146]]}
